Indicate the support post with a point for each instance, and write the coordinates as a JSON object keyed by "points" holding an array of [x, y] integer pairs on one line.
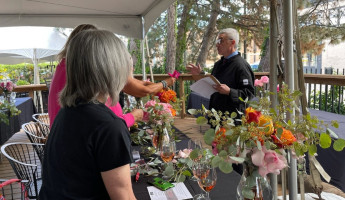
{"points": [[289, 78], [273, 76], [143, 48]]}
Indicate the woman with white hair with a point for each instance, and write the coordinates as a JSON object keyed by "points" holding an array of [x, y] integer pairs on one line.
{"points": [[88, 152]]}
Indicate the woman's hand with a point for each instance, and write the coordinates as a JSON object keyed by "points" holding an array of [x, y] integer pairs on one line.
{"points": [[170, 81], [137, 114]]}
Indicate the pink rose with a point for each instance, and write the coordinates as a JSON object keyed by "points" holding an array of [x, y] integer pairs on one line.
{"points": [[150, 103], [278, 88], [258, 83], [184, 153], [268, 161], [264, 79]]}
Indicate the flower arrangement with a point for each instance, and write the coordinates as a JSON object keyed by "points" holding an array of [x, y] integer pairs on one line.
{"points": [[264, 134], [7, 87]]}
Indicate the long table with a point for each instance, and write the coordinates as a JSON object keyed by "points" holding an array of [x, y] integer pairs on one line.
{"points": [[225, 188], [27, 108]]}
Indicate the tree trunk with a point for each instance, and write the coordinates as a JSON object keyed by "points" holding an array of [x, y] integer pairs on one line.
{"points": [[181, 44], [210, 30], [171, 41], [134, 50]]}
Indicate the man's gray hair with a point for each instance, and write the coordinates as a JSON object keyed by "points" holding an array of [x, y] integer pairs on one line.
{"points": [[231, 34], [97, 65]]}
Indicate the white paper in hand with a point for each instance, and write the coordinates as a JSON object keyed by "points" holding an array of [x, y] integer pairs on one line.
{"points": [[204, 87]]}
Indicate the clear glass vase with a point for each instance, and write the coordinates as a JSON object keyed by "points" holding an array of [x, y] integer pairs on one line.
{"points": [[253, 187]]}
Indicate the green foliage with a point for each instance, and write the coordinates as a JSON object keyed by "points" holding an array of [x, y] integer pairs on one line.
{"points": [[22, 82], [7, 110]]}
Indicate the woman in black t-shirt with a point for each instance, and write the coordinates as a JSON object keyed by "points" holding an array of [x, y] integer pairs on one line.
{"points": [[88, 151]]}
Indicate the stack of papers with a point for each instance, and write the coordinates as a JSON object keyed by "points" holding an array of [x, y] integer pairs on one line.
{"points": [[204, 86], [179, 192]]}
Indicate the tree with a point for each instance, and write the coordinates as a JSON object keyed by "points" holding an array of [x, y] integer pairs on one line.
{"points": [[210, 30], [181, 44], [171, 39]]}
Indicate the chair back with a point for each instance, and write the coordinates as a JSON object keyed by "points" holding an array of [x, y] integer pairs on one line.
{"points": [[37, 133], [42, 118], [13, 189], [26, 165]]}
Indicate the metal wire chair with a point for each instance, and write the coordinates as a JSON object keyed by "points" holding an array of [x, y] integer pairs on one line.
{"points": [[37, 133], [26, 165], [42, 118], [13, 189]]}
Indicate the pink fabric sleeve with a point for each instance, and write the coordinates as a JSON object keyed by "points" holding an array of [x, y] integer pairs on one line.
{"points": [[57, 84], [129, 118]]}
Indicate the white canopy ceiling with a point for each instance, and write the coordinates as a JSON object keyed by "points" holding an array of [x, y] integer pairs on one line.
{"points": [[123, 17]]}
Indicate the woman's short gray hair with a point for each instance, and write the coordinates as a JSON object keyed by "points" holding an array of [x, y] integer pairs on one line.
{"points": [[97, 65], [231, 34]]}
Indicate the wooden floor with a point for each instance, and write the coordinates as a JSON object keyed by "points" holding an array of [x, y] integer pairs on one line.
{"points": [[187, 126]]}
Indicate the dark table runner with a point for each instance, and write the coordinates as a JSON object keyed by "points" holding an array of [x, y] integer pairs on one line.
{"points": [[225, 188], [27, 108]]}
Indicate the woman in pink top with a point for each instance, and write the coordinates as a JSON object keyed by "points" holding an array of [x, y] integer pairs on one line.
{"points": [[59, 81], [133, 87]]}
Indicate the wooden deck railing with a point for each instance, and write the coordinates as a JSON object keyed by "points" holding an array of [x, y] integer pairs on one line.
{"points": [[338, 80]]}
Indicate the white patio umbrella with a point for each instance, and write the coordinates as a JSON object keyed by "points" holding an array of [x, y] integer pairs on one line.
{"points": [[20, 44]]}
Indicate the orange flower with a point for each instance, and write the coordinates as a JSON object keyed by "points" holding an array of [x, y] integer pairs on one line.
{"points": [[166, 96], [266, 121], [221, 132], [173, 112], [286, 139], [252, 115]]}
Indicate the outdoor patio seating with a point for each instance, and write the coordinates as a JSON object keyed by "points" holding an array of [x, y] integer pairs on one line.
{"points": [[37, 133], [8, 188], [25, 164], [42, 118]]}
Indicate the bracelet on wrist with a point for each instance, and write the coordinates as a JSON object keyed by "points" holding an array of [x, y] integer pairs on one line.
{"points": [[165, 84]]}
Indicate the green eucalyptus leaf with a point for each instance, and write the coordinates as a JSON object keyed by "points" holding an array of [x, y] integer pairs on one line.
{"points": [[169, 171], [223, 154], [209, 136], [325, 140], [339, 145], [312, 149], [225, 167], [233, 115], [237, 159], [201, 120], [192, 111], [332, 133], [187, 173], [180, 178], [228, 132], [215, 161], [248, 193], [258, 144], [194, 154], [240, 98]]}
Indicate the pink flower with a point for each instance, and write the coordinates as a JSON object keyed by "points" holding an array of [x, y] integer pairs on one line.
{"points": [[150, 103], [264, 79], [176, 74], [258, 83], [146, 116], [278, 88], [268, 161], [184, 153], [2, 85], [214, 148]]}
